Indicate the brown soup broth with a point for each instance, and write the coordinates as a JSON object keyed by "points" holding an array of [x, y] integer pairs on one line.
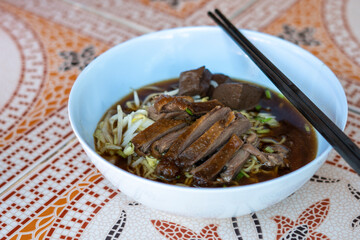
{"points": [[301, 140]]}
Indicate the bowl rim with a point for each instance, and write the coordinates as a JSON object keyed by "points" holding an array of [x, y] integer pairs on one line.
{"points": [[250, 34]]}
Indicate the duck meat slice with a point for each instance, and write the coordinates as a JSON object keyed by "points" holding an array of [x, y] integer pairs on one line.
{"points": [[163, 144], [194, 82], [240, 96], [213, 138], [178, 107], [200, 108], [154, 115], [195, 130], [143, 140], [206, 172], [234, 165], [167, 103], [239, 159]]}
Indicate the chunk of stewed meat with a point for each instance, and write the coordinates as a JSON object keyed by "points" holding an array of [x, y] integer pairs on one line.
{"points": [[220, 78], [194, 82], [239, 96]]}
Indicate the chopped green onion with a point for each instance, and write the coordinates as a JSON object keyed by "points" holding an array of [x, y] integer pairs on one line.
{"points": [[257, 107], [307, 128], [263, 120], [244, 173], [268, 93], [269, 149], [239, 176], [281, 95], [189, 111]]}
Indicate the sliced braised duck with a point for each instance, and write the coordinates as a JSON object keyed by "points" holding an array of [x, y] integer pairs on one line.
{"points": [[207, 171], [159, 147], [213, 138], [239, 159], [179, 107], [276, 158], [166, 103], [195, 131], [155, 115], [192, 133], [194, 82], [200, 108], [240, 96], [143, 140]]}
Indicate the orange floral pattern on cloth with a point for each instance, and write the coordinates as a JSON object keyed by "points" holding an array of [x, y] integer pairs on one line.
{"points": [[176, 8], [306, 224], [308, 13], [57, 86], [173, 231], [39, 226]]}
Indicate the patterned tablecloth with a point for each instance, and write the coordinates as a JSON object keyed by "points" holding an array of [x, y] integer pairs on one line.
{"points": [[48, 187]]}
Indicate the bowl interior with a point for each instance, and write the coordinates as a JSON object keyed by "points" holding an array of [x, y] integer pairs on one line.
{"points": [[163, 55]]}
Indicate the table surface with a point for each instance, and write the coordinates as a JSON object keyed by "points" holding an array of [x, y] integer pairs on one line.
{"points": [[48, 187]]}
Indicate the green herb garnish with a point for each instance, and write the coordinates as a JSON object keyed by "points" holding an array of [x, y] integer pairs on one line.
{"points": [[268, 93], [257, 107], [241, 174], [269, 149], [189, 111]]}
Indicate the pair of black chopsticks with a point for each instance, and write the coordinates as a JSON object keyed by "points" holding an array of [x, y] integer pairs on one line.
{"points": [[340, 142]]}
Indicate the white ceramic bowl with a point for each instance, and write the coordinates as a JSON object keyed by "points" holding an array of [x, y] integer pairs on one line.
{"points": [[163, 55]]}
